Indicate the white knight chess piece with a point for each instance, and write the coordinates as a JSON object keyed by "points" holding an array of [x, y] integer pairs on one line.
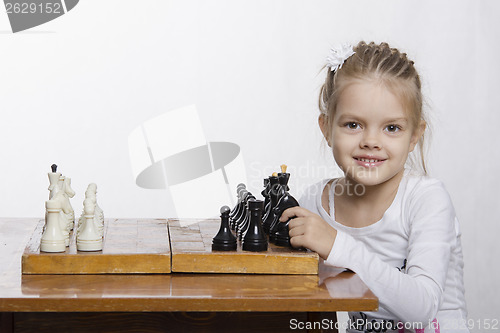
{"points": [[54, 186], [54, 181], [66, 213]]}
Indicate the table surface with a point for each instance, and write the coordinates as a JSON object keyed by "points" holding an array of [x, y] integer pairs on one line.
{"points": [[330, 290]]}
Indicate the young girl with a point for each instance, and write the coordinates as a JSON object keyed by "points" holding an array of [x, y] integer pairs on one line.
{"points": [[396, 229]]}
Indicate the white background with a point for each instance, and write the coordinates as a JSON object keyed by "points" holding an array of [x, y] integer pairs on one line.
{"points": [[73, 89]]}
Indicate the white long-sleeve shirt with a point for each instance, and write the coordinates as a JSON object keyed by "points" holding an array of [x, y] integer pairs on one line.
{"points": [[411, 259]]}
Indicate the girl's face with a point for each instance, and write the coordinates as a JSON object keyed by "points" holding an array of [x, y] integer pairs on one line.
{"points": [[372, 134]]}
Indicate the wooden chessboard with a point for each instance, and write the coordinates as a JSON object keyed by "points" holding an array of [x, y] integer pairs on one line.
{"points": [[163, 246], [129, 246], [191, 242]]}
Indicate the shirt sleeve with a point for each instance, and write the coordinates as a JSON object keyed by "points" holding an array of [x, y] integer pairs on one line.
{"points": [[414, 295]]}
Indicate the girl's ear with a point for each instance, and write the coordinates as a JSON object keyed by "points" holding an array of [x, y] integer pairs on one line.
{"points": [[323, 125], [417, 134]]}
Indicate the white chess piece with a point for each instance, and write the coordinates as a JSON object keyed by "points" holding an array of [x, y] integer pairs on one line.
{"points": [[89, 238], [69, 194], [60, 182], [99, 214], [81, 221], [53, 240], [99, 225], [65, 214], [54, 183]]}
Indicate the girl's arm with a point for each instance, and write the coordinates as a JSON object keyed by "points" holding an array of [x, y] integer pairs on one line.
{"points": [[411, 296]]}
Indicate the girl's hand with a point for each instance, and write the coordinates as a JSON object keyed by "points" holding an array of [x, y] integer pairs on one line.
{"points": [[309, 230]]}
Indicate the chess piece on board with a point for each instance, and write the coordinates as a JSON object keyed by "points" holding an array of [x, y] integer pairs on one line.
{"points": [[68, 191], [60, 189], [239, 193], [91, 194], [89, 238], [281, 191], [53, 240], [273, 201], [65, 214], [285, 175], [99, 214], [239, 214], [243, 225], [54, 181], [281, 236], [265, 192], [224, 240], [236, 211], [240, 217], [254, 239]]}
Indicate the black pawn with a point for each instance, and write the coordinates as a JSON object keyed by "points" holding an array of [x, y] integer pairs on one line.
{"points": [[239, 188], [237, 211], [224, 240], [238, 218], [242, 226], [255, 239]]}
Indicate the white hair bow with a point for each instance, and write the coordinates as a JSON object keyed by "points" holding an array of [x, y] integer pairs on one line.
{"points": [[338, 55]]}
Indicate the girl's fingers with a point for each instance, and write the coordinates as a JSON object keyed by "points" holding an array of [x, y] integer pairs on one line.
{"points": [[297, 241], [295, 227], [294, 212]]}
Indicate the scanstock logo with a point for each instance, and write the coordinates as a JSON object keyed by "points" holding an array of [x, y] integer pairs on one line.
{"points": [[26, 14]]}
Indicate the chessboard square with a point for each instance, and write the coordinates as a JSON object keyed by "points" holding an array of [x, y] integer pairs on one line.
{"points": [[152, 232], [124, 233], [157, 242]]}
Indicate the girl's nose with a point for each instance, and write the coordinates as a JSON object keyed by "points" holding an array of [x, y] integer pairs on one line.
{"points": [[370, 140]]}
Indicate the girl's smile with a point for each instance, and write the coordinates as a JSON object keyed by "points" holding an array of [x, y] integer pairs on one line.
{"points": [[369, 161]]}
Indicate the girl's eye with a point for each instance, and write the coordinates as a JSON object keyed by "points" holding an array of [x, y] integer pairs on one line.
{"points": [[352, 125], [393, 128]]}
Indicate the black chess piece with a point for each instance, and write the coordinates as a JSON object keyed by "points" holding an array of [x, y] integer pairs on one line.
{"points": [[255, 239], [54, 168], [239, 193], [281, 236], [273, 201], [240, 214], [265, 192], [243, 226], [284, 177], [280, 191], [224, 240], [239, 206]]}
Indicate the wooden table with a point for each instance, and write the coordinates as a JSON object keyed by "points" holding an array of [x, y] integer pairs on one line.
{"points": [[166, 302]]}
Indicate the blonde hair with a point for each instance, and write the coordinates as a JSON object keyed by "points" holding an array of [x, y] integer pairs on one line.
{"points": [[378, 63]]}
